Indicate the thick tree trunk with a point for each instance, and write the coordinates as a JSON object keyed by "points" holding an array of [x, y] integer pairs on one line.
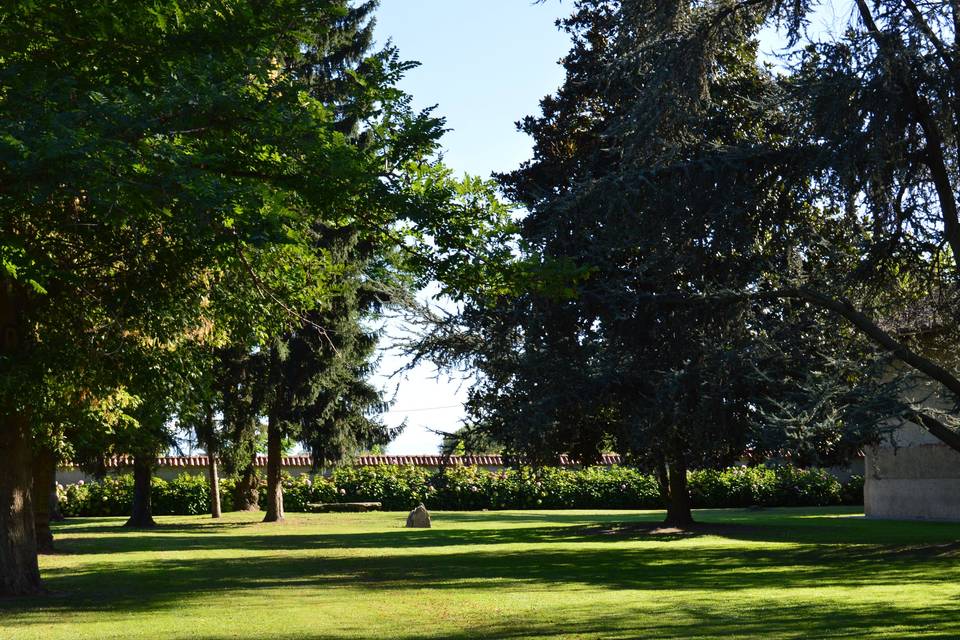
{"points": [[678, 509], [214, 479], [141, 516], [246, 494], [44, 477], [19, 571], [274, 487]]}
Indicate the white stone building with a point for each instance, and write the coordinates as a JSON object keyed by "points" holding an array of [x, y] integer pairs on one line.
{"points": [[913, 475]]}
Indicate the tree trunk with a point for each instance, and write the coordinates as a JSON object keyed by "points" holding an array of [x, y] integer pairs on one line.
{"points": [[19, 570], [274, 487], [214, 479], [56, 514], [678, 508], [44, 477], [141, 516], [246, 494], [212, 476], [663, 482]]}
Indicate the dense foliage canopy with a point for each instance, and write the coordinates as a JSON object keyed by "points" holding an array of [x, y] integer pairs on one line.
{"points": [[731, 253], [183, 181]]}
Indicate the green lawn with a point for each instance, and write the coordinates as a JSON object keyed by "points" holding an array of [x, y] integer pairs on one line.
{"points": [[784, 573]]}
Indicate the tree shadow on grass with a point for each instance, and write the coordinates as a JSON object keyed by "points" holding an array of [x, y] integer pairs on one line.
{"points": [[782, 621], [458, 529], [638, 614], [800, 550], [114, 525], [157, 582]]}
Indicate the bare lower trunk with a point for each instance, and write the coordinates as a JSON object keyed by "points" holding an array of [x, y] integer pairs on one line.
{"points": [[214, 479], [678, 507], [19, 571], [141, 516], [213, 476], [663, 482], [246, 496], [44, 477], [274, 504]]}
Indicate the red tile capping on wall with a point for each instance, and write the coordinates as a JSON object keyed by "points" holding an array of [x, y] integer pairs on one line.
{"points": [[121, 462]]}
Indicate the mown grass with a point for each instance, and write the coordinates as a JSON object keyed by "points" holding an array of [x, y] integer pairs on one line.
{"points": [[780, 573]]}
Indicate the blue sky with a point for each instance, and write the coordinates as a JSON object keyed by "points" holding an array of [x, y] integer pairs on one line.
{"points": [[485, 65]]}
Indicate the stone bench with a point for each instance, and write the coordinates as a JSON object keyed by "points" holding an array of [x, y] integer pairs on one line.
{"points": [[343, 507]]}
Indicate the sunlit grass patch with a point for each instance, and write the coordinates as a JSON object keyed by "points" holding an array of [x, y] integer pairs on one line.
{"points": [[782, 573]]}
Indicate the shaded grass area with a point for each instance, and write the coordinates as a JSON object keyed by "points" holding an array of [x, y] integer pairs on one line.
{"points": [[782, 573]]}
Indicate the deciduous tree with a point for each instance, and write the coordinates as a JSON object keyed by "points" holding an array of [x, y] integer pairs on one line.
{"points": [[161, 168]]}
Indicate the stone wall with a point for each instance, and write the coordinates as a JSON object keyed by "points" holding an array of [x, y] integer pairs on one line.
{"points": [[912, 476], [169, 467]]}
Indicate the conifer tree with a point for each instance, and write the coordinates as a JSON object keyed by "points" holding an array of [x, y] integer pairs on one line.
{"points": [[657, 185], [316, 389]]}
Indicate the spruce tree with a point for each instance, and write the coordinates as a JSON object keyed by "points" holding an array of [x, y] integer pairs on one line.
{"points": [[316, 387], [315, 376]]}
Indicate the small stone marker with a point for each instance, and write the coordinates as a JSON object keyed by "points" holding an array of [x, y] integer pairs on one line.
{"points": [[419, 518]]}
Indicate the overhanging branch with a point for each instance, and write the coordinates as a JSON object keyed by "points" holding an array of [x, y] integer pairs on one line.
{"points": [[864, 323], [940, 431]]}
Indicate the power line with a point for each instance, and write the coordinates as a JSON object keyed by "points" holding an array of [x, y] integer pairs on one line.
{"points": [[449, 406]]}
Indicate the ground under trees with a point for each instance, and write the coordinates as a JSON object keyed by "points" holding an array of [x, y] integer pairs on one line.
{"points": [[778, 573]]}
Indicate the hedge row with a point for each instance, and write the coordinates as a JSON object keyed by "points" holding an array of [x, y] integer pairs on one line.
{"points": [[476, 488]]}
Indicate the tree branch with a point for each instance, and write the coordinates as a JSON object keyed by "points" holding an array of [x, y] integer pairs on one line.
{"points": [[935, 159], [938, 44], [942, 432], [266, 293], [866, 325], [874, 332]]}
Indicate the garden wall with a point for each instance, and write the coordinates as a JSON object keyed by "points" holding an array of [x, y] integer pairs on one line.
{"points": [[170, 467], [912, 476], [473, 488]]}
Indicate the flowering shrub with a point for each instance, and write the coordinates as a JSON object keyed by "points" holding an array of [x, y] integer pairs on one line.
{"points": [[227, 486], [600, 488], [397, 487], [852, 491], [184, 495], [469, 488], [113, 496], [781, 486]]}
